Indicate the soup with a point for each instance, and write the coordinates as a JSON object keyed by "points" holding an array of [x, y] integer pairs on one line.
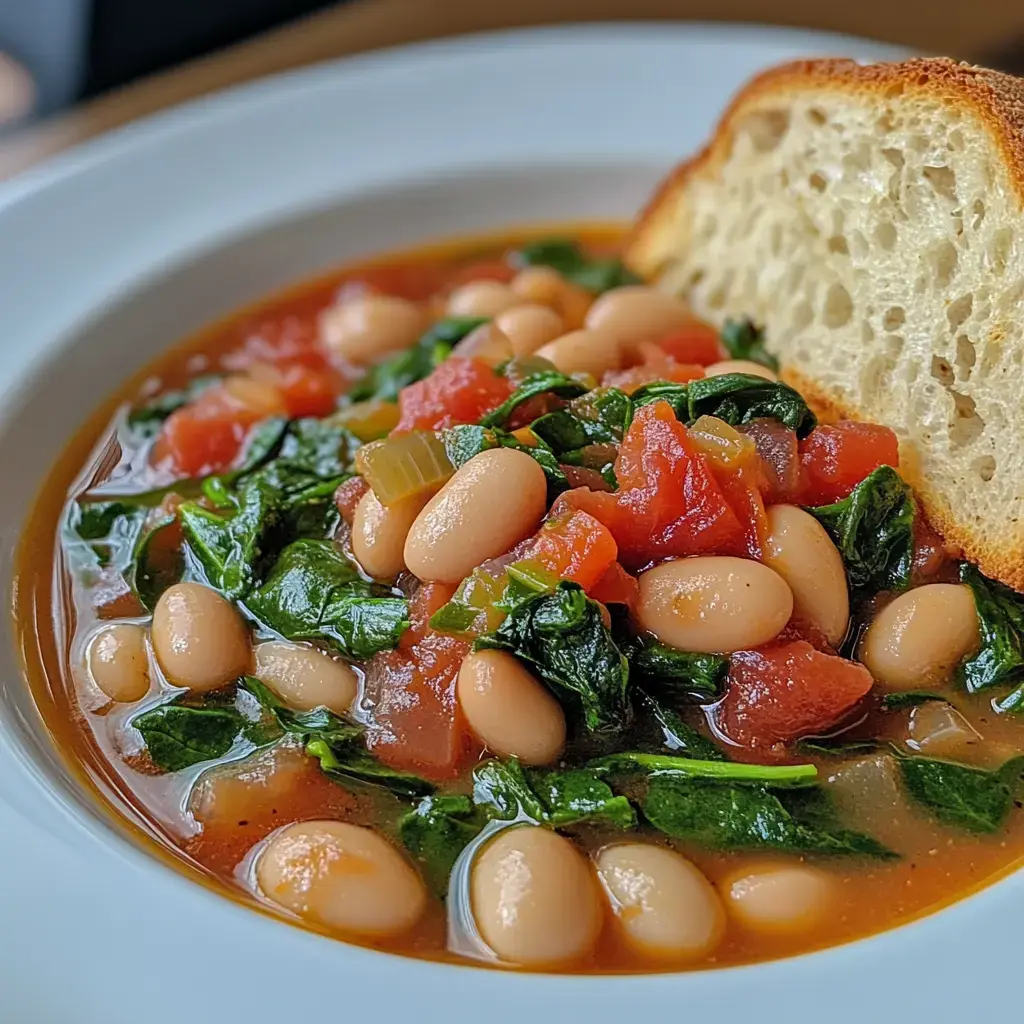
{"points": [[481, 604]]}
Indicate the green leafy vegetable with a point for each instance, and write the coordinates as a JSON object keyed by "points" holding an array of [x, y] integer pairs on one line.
{"points": [[596, 275], [1000, 658], [679, 737], [744, 340], [563, 635], [545, 382], [110, 528], [313, 591], [462, 442], [902, 699], [179, 736], [598, 417], [728, 771], [436, 831], [319, 722], [719, 815], [740, 397], [348, 762], [874, 530], [386, 380], [969, 798], [677, 396], [505, 790], [827, 746], [665, 670], [158, 561]]}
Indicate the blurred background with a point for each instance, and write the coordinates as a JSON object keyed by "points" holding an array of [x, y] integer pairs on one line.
{"points": [[72, 68]]}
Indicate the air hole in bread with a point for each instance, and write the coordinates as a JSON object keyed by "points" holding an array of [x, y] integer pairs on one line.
{"points": [[817, 181], [838, 307], [985, 467], [923, 78], [858, 244], [966, 357], [886, 235], [838, 244], [816, 116], [765, 129], [942, 371], [706, 228], [803, 316], [955, 142], [893, 318], [942, 260], [967, 425], [999, 249], [867, 332], [958, 311], [977, 213], [894, 91], [942, 181]]}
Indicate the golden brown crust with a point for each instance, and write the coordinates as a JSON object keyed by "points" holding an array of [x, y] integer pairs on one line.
{"points": [[995, 99]]}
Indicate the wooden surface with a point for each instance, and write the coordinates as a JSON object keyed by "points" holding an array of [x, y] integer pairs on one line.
{"points": [[969, 30]]}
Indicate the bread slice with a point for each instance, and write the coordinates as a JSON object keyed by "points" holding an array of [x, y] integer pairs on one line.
{"points": [[872, 218]]}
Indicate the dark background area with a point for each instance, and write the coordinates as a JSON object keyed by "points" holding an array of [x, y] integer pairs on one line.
{"points": [[131, 38]]}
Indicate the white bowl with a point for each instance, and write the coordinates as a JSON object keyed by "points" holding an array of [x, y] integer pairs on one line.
{"points": [[115, 250]]}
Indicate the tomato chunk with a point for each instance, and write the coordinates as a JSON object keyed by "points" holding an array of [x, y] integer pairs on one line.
{"points": [[417, 725], [205, 436], [348, 495], [835, 458], [458, 391], [307, 391], [616, 586], [778, 694], [697, 343], [574, 546], [669, 502]]}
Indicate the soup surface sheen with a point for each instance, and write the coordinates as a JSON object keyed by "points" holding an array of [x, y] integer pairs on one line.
{"points": [[479, 604]]}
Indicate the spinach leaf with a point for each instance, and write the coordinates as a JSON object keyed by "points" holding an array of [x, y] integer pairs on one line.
{"points": [[313, 591], [462, 442], [902, 699], [179, 736], [436, 831], [596, 275], [598, 417], [505, 790], [544, 382], [827, 746], [159, 561], [319, 722], [348, 762], [970, 798], [677, 736], [725, 816], [563, 635], [110, 528], [1000, 658], [388, 378], [728, 771], [874, 530], [226, 548], [677, 396], [740, 397], [664, 670], [744, 340]]}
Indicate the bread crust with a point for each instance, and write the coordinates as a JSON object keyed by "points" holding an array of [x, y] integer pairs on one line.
{"points": [[996, 100]]}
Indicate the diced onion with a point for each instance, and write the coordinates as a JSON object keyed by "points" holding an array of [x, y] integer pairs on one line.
{"points": [[404, 466], [721, 444], [369, 420]]}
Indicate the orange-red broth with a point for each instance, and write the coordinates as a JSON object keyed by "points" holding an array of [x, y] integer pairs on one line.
{"points": [[207, 822]]}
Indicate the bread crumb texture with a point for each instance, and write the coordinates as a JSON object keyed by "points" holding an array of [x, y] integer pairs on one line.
{"points": [[871, 218]]}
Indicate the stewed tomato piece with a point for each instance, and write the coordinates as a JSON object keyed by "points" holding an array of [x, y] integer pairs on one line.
{"points": [[458, 391], [835, 458]]}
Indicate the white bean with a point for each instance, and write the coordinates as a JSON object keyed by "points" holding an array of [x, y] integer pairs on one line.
{"points": [[491, 503], [118, 662], [534, 898], [305, 678], [714, 604], [371, 327], [920, 638], [379, 533], [530, 326], [481, 298], [779, 900], [508, 709], [802, 553], [667, 909], [740, 366], [586, 351], [198, 638], [342, 876], [637, 313]]}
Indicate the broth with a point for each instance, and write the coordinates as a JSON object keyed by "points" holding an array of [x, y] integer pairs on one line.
{"points": [[212, 831]]}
